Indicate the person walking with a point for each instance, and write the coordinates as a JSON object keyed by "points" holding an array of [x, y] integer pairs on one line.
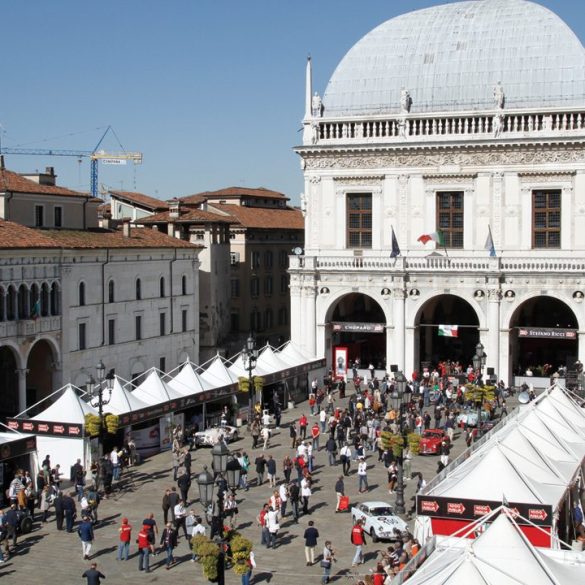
{"points": [[326, 562], [184, 483], [125, 532], [262, 523], [358, 539], [174, 499], [310, 535], [315, 432], [260, 463], [181, 517], [85, 532], [287, 466], [265, 435], [303, 422], [273, 526], [293, 496], [339, 491], [331, 448], [345, 456], [283, 495], [145, 542], [292, 429], [255, 432], [59, 510], [271, 471], [251, 562], [69, 509], [306, 493], [168, 539], [45, 504], [92, 575], [166, 505], [362, 475]]}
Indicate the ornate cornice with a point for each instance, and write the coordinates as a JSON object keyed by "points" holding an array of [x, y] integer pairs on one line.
{"points": [[437, 157]]}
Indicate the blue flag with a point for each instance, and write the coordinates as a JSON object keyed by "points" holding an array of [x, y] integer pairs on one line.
{"points": [[395, 247], [489, 244]]}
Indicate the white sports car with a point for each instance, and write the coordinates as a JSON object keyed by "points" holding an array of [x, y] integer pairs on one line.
{"points": [[379, 520], [213, 435]]}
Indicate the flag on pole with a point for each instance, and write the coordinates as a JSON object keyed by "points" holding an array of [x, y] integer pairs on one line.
{"points": [[395, 247], [36, 310], [448, 331], [435, 237], [489, 243]]}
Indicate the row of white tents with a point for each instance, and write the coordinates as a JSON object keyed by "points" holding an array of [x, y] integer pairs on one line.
{"points": [[536, 458], [157, 388]]}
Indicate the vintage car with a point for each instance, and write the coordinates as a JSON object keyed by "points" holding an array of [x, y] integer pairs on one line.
{"points": [[430, 441], [213, 435], [380, 522], [468, 417]]}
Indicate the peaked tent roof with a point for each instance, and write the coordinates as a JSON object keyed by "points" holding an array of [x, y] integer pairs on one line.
{"points": [[217, 370], [187, 381], [238, 368], [154, 391], [502, 555], [271, 361], [122, 400], [291, 351], [68, 408]]}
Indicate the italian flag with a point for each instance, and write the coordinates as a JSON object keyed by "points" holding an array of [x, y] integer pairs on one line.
{"points": [[434, 237], [448, 331]]}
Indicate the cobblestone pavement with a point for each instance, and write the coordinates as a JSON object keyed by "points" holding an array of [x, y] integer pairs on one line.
{"points": [[46, 555]]}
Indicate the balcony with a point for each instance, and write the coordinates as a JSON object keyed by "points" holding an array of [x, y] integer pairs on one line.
{"points": [[439, 264], [30, 327]]}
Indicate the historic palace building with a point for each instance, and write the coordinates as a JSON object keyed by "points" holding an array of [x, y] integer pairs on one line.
{"points": [[457, 131]]}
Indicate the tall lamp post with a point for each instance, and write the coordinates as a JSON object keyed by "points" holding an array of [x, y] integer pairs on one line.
{"points": [[400, 381], [96, 390], [479, 360], [250, 356]]}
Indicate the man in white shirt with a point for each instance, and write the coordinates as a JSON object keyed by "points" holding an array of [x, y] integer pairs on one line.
{"points": [[273, 527], [283, 494], [180, 518], [322, 419], [362, 473], [115, 459], [345, 456], [196, 530]]}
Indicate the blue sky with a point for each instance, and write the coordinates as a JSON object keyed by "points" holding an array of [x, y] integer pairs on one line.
{"points": [[210, 91]]}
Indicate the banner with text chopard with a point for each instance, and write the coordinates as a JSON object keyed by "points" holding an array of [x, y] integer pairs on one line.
{"points": [[358, 327], [463, 509], [546, 333]]}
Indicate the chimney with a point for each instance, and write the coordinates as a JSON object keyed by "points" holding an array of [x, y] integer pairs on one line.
{"points": [[2, 167], [175, 209], [126, 229]]}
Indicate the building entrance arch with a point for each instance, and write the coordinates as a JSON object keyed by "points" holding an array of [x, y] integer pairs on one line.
{"points": [[357, 322], [40, 367], [9, 405], [543, 336], [447, 329]]}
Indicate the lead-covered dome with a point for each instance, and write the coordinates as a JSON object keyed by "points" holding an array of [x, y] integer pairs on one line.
{"points": [[450, 58]]}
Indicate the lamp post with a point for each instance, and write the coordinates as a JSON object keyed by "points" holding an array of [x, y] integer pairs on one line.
{"points": [[250, 356], [400, 381], [479, 360], [96, 390]]}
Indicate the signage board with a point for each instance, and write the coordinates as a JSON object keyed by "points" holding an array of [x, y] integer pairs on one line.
{"points": [[359, 327], [546, 333]]}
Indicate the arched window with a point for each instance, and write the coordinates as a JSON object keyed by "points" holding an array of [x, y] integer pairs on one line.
{"points": [[55, 299], [268, 319], [138, 289], [3, 305], [22, 302], [81, 294], [34, 301], [11, 304], [184, 285], [111, 291], [162, 287], [44, 299]]}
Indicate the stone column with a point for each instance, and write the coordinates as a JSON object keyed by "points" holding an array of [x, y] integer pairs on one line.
{"points": [[310, 320], [22, 372], [492, 342]]}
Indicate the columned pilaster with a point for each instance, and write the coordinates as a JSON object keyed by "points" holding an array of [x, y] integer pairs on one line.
{"points": [[22, 373], [399, 297], [492, 343]]}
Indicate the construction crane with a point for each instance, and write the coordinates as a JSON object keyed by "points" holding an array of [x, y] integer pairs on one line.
{"points": [[94, 156]]}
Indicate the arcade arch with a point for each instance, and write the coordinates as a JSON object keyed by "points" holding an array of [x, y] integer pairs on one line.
{"points": [[40, 365]]}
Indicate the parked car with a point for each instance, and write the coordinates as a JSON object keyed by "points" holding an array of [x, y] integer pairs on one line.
{"points": [[469, 417], [380, 522], [430, 442], [213, 435]]}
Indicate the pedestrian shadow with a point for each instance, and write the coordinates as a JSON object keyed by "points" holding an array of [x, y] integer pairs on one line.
{"points": [[245, 525], [317, 506], [262, 576], [4, 573], [24, 545], [104, 551], [108, 520], [286, 538]]}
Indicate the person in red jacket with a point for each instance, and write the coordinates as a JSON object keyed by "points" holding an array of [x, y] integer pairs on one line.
{"points": [[145, 542], [358, 539], [315, 432], [125, 531], [303, 427]]}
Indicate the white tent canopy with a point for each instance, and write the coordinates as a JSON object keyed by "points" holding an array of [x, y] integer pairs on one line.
{"points": [[68, 408], [239, 368], [121, 400], [154, 391], [217, 371], [187, 381], [296, 356], [271, 361], [502, 555]]}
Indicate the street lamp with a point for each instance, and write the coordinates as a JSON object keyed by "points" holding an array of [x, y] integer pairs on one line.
{"points": [[479, 360], [205, 482], [233, 472], [250, 357], [220, 454], [96, 390], [400, 381]]}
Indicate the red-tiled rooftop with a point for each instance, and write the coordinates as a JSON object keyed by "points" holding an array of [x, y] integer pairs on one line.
{"points": [[14, 235], [140, 199], [234, 193], [187, 215], [265, 217], [15, 183]]}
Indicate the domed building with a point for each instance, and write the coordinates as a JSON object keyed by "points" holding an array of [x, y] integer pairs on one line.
{"points": [[444, 196]]}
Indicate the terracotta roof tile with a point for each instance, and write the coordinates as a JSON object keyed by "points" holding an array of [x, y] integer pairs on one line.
{"points": [[14, 235], [234, 193], [265, 217], [10, 181], [187, 215], [141, 199]]}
